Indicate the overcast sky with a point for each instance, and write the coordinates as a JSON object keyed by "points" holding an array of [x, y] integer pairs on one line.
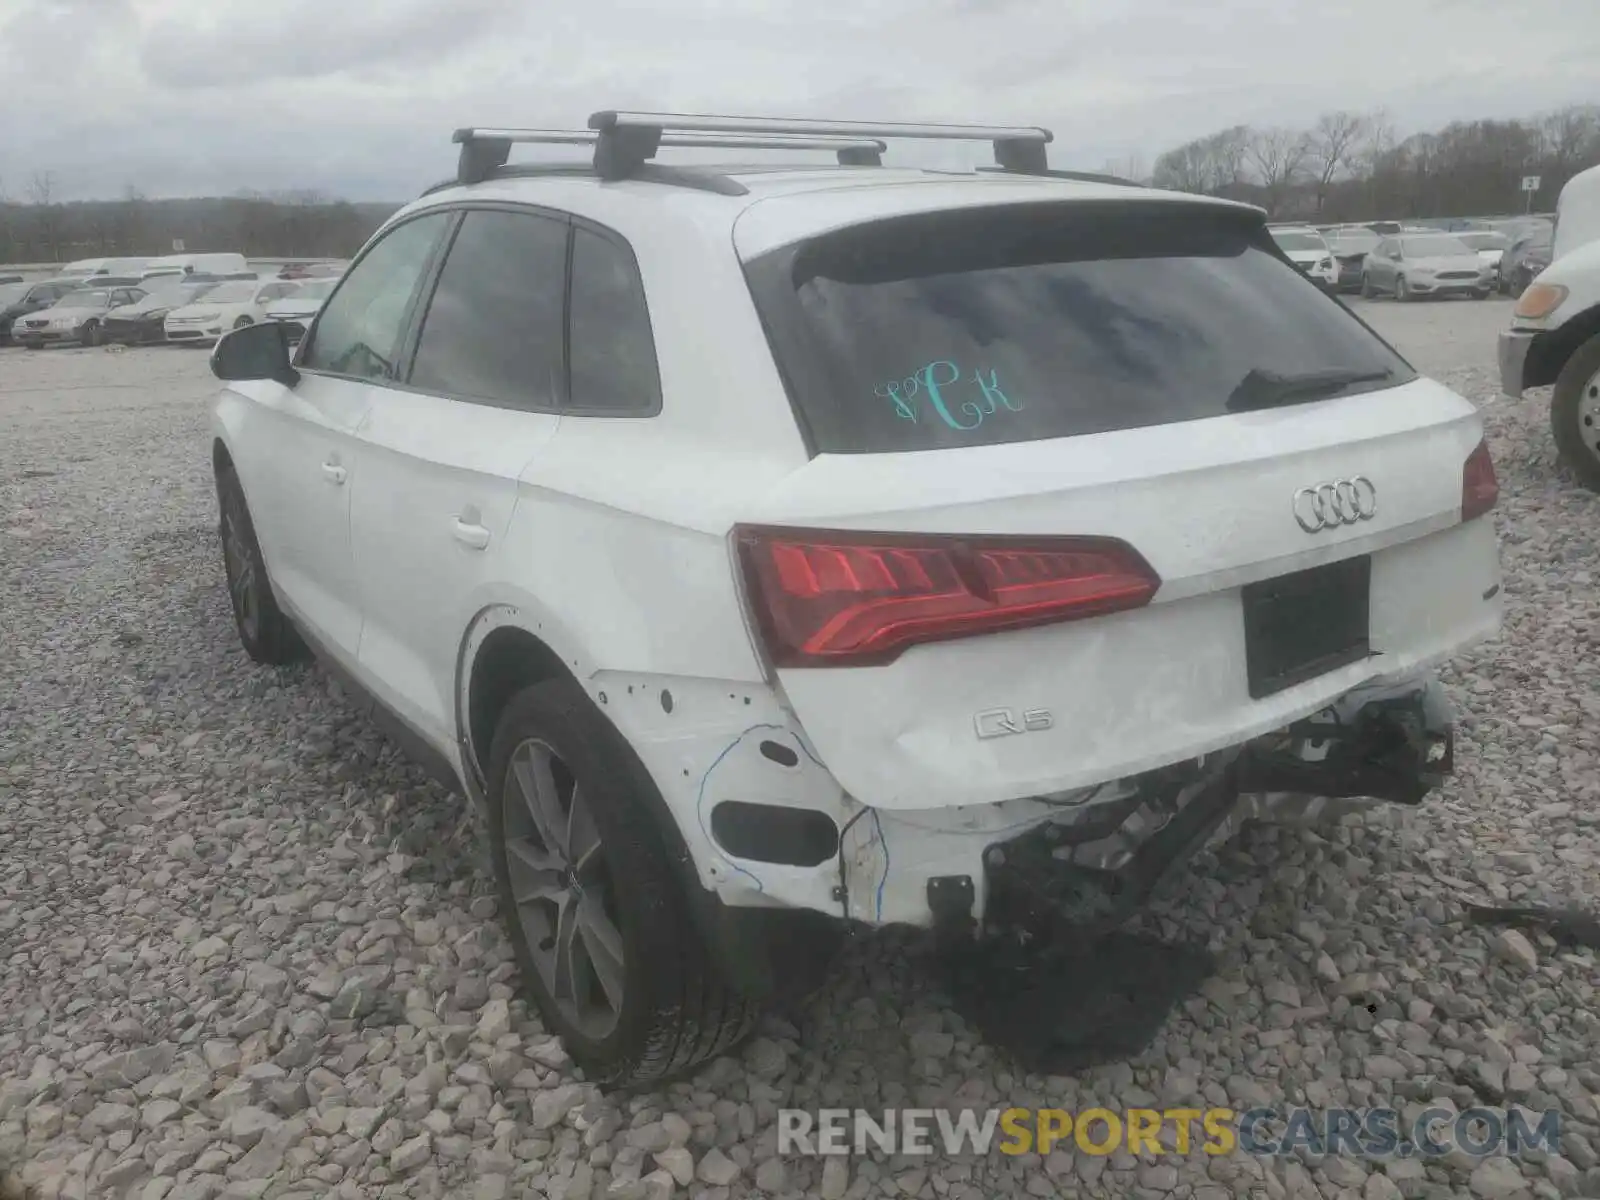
{"points": [[358, 97]]}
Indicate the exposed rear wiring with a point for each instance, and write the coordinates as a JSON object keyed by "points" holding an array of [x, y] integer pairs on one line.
{"points": [[883, 842], [844, 885]]}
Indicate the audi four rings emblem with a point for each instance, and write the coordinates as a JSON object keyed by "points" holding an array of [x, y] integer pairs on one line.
{"points": [[1341, 502]]}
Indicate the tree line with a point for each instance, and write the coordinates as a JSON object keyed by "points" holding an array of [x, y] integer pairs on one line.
{"points": [[41, 228], [1351, 166]]}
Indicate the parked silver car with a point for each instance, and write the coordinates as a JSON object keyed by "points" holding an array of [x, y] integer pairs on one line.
{"points": [[1414, 265]]}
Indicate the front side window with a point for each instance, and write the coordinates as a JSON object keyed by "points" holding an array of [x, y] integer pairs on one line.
{"points": [[493, 329], [359, 330], [613, 354], [1023, 323]]}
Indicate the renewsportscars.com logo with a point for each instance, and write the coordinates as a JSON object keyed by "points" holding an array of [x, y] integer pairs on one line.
{"points": [[1365, 1133]]}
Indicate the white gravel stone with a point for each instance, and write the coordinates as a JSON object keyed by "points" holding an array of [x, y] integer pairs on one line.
{"points": [[1512, 946], [716, 1168], [835, 1177], [410, 1155]]}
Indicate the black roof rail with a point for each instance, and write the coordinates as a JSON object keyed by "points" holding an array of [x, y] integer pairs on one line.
{"points": [[486, 151], [629, 139], [1057, 173]]}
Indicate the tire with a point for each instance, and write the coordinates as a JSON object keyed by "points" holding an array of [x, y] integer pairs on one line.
{"points": [[267, 634], [1575, 414], [91, 333], [33, 345], [1482, 294], [243, 323], [1401, 292], [1518, 286], [1366, 287], [666, 1008]]}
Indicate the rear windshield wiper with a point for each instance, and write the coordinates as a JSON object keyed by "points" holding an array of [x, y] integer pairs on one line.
{"points": [[1268, 389]]}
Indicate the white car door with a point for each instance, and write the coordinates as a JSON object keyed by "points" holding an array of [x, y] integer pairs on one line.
{"points": [[297, 450], [441, 458]]}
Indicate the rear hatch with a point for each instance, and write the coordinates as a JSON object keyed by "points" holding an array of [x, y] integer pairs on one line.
{"points": [[1096, 488]]}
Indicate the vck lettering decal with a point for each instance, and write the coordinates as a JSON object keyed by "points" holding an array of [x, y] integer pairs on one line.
{"points": [[942, 382]]}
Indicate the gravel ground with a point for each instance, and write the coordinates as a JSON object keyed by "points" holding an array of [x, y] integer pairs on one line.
{"points": [[247, 950]]}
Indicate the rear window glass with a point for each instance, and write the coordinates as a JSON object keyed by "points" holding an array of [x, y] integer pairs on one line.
{"points": [[985, 326]]}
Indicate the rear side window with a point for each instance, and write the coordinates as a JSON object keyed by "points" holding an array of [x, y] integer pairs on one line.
{"points": [[493, 330], [613, 354], [985, 326]]}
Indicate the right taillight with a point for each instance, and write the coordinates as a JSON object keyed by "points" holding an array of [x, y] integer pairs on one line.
{"points": [[842, 598], [1479, 487]]}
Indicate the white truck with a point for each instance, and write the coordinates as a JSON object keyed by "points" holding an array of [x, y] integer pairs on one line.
{"points": [[1555, 330]]}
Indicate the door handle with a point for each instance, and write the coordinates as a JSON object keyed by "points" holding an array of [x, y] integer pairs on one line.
{"points": [[333, 473], [475, 536]]}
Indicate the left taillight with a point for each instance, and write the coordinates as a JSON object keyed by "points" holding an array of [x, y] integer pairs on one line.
{"points": [[835, 598], [1479, 487]]}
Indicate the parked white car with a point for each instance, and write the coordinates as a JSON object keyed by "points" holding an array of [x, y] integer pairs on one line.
{"points": [[1307, 249], [296, 310], [210, 263], [234, 304], [1489, 243], [91, 269], [773, 551]]}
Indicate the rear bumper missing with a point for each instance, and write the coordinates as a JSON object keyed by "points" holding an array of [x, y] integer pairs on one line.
{"points": [[1380, 744]]}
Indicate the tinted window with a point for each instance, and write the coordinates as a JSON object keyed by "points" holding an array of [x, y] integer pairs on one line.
{"points": [[1015, 324], [493, 329], [359, 330], [613, 354]]}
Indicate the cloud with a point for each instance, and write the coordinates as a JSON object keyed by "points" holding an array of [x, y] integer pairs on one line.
{"points": [[358, 97], [207, 44]]}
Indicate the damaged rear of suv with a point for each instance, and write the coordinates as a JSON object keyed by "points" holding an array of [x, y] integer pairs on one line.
{"points": [[967, 551], [1129, 532]]}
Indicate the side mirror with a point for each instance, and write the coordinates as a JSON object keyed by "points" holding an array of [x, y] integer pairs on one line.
{"points": [[255, 352]]}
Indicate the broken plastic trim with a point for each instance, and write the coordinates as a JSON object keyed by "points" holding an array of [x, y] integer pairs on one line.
{"points": [[1389, 743], [1396, 746]]}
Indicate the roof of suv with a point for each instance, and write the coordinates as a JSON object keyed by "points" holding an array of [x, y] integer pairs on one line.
{"points": [[776, 205]]}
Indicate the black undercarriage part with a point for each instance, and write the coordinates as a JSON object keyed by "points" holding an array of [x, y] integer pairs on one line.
{"points": [[1053, 980], [1568, 926], [1085, 1003], [1397, 748]]}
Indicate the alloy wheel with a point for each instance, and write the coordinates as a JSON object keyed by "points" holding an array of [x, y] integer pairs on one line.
{"points": [[241, 569], [562, 887]]}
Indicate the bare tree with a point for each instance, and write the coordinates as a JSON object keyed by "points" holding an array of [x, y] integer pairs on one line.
{"points": [[1228, 150], [1278, 156], [1332, 145], [1569, 134], [41, 194], [1187, 168]]}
